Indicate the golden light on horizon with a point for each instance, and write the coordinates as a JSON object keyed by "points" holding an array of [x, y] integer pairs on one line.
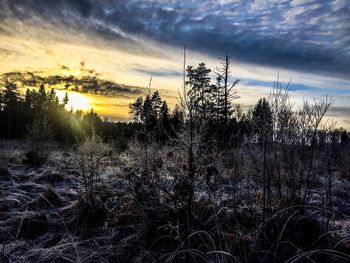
{"points": [[77, 101], [48, 55]]}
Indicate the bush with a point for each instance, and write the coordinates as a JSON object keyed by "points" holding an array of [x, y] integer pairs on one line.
{"points": [[39, 135], [89, 159]]}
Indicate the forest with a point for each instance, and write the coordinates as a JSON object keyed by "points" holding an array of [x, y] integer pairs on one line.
{"points": [[206, 181]]}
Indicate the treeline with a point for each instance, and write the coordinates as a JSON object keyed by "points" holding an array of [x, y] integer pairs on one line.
{"points": [[205, 109], [275, 150], [42, 110], [158, 122], [206, 105]]}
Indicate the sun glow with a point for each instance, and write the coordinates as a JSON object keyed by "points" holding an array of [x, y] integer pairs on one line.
{"points": [[77, 101]]}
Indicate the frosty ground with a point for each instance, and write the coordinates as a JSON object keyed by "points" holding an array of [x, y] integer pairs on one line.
{"points": [[44, 217]]}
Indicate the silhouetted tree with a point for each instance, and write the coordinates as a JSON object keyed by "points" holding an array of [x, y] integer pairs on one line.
{"points": [[11, 108], [177, 119], [225, 90], [262, 120], [199, 90], [92, 123], [136, 109], [165, 129], [65, 99], [156, 103], [344, 138]]}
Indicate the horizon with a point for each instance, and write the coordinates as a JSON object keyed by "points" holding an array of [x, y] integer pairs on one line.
{"points": [[306, 42]]}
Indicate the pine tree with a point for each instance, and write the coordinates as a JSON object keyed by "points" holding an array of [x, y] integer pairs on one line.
{"points": [[156, 103], [28, 106], [344, 138], [165, 129], [262, 120], [92, 122], [42, 97], [177, 119], [148, 114], [147, 111], [10, 96], [136, 109], [65, 99], [217, 100], [11, 103], [225, 90], [199, 90]]}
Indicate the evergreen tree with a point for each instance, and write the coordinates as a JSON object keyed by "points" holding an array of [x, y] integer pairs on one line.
{"points": [[11, 107], [28, 103], [199, 91], [165, 129], [217, 99], [65, 99], [262, 120], [344, 138], [92, 122], [147, 111], [42, 100], [226, 91], [177, 119], [148, 114], [136, 109], [156, 103]]}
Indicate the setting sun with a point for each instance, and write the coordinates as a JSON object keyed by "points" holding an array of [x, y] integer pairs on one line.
{"points": [[76, 100]]}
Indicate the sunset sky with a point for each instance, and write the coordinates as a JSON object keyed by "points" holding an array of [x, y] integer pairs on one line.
{"points": [[127, 41]]}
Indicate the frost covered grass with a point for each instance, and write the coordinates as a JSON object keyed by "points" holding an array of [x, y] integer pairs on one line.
{"points": [[138, 217]]}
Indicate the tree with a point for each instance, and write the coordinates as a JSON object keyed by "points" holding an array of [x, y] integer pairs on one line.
{"points": [[92, 122], [148, 111], [199, 90], [262, 126], [262, 120], [156, 103], [177, 119], [165, 129], [344, 138], [65, 99], [136, 109], [42, 99], [225, 91], [149, 116], [11, 106]]}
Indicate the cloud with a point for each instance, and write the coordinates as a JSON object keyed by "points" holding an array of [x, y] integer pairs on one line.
{"points": [[311, 36], [339, 111], [83, 84], [157, 72]]}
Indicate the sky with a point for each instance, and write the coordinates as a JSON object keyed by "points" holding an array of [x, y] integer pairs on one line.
{"points": [[128, 41]]}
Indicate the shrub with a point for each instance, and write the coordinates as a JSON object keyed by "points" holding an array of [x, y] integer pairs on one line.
{"points": [[89, 158], [39, 135]]}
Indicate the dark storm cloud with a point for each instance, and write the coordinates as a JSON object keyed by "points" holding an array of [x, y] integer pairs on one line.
{"points": [[311, 36], [85, 84]]}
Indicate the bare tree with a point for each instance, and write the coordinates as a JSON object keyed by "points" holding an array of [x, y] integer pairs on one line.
{"points": [[295, 136]]}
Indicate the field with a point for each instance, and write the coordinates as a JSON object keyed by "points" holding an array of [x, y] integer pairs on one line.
{"points": [[45, 215]]}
